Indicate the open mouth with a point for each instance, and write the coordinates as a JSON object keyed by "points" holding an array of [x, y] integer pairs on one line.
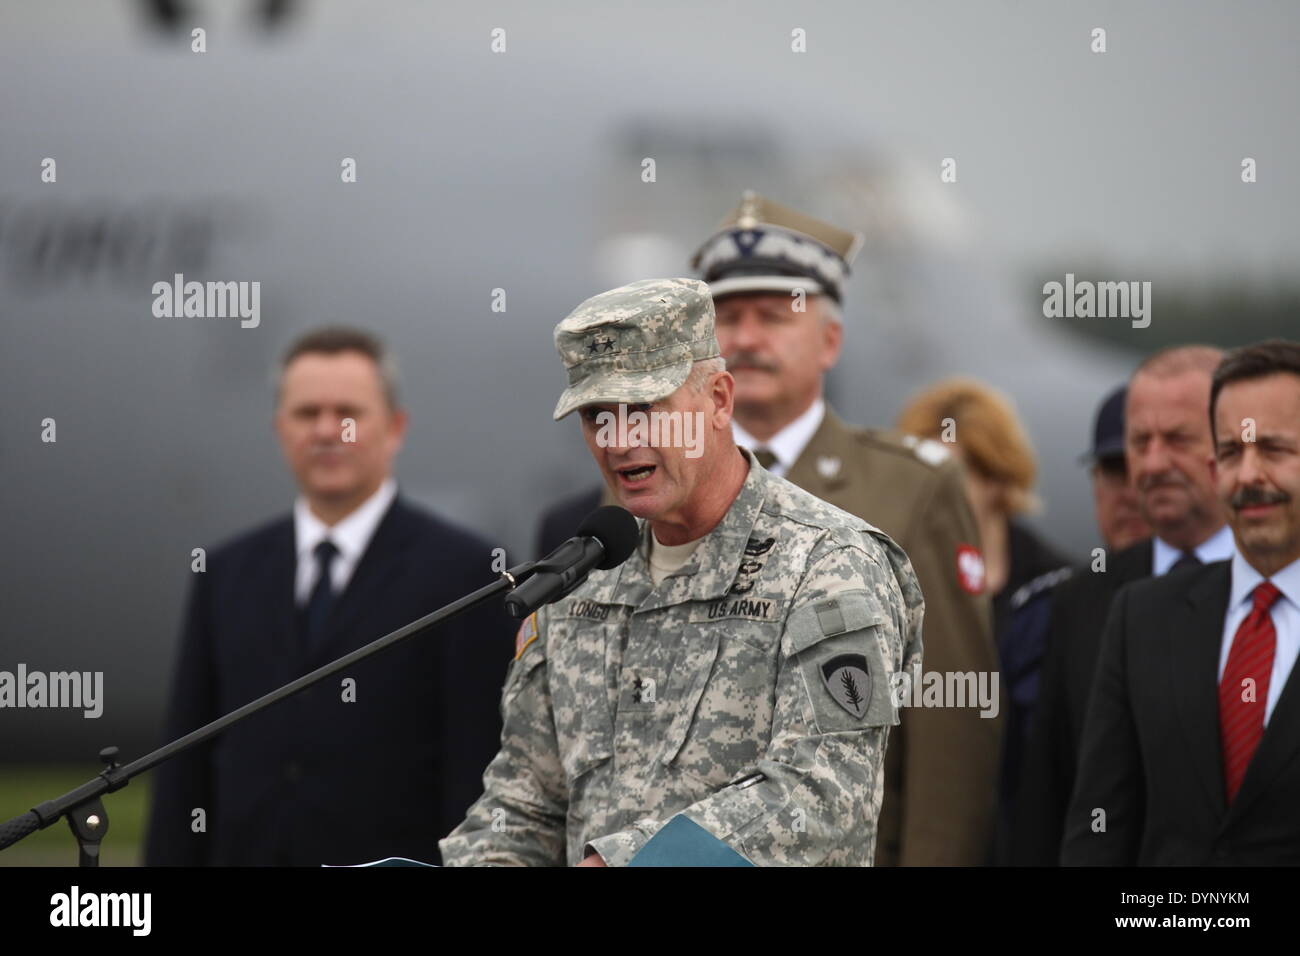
{"points": [[636, 474]]}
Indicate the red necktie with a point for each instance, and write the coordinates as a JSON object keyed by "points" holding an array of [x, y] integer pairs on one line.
{"points": [[1241, 722]]}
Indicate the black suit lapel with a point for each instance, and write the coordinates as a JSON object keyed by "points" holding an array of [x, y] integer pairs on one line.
{"points": [[1133, 563], [1083, 620], [1196, 632], [276, 602], [379, 564]]}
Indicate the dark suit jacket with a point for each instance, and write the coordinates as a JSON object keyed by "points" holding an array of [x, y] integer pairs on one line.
{"points": [[1078, 617], [561, 520], [1021, 617], [1151, 756], [315, 779]]}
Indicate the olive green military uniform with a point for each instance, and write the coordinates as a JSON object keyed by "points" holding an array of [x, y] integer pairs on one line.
{"points": [[752, 691], [942, 763], [941, 769]]}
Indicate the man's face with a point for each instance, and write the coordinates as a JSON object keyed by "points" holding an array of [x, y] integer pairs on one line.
{"points": [[1167, 443], [1118, 516], [777, 355], [1258, 480], [659, 482], [331, 459]]}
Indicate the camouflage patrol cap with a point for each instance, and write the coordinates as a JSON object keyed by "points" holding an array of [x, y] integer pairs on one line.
{"points": [[635, 343]]}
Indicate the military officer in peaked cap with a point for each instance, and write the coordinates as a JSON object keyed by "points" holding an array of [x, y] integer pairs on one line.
{"points": [[777, 278], [726, 693]]}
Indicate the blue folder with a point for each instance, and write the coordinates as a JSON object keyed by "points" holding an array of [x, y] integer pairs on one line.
{"points": [[683, 842]]}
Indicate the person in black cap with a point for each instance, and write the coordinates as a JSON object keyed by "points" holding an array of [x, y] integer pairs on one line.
{"points": [[1118, 517]]}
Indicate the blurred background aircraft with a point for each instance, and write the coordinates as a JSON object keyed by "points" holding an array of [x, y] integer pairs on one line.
{"points": [[522, 170]]}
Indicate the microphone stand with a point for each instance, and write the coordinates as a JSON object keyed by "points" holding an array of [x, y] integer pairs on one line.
{"points": [[85, 810]]}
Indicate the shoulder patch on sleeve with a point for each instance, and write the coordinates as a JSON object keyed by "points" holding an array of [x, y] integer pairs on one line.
{"points": [[526, 634], [970, 569], [845, 669], [848, 680]]}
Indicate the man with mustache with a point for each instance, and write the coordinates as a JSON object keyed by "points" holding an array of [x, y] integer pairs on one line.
{"points": [[1167, 443], [777, 278], [726, 692], [1193, 728]]}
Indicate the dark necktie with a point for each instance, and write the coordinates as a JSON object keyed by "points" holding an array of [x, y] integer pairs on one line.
{"points": [[322, 594], [1241, 722], [765, 457], [1186, 559]]}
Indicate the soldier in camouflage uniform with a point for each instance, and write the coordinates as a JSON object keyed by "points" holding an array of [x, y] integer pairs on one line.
{"points": [[749, 689], [777, 278]]}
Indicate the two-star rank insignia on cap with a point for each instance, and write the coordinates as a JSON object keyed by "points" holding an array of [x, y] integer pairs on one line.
{"points": [[848, 678]]}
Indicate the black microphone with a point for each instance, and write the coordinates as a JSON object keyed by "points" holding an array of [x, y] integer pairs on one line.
{"points": [[605, 539]]}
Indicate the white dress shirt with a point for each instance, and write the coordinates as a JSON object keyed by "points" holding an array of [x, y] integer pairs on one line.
{"points": [[1286, 621], [787, 444], [1217, 547], [350, 536]]}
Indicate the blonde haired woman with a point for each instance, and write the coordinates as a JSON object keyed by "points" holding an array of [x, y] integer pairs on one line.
{"points": [[980, 426]]}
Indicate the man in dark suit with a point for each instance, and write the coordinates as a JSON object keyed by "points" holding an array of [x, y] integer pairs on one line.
{"points": [[1190, 746], [384, 759], [1165, 440]]}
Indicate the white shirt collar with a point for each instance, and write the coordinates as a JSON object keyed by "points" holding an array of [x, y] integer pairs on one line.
{"points": [[1217, 547], [1245, 579], [787, 444], [352, 534]]}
